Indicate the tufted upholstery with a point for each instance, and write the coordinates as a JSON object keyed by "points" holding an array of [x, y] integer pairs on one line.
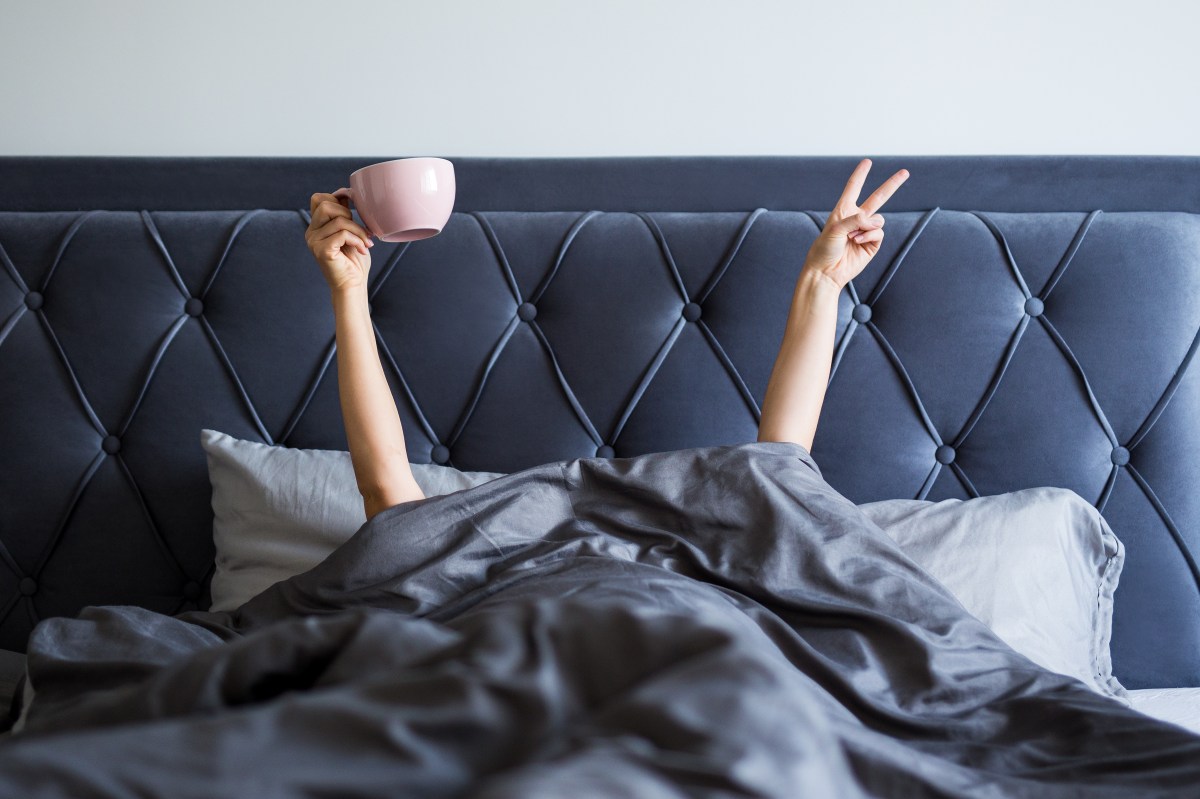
{"points": [[982, 351]]}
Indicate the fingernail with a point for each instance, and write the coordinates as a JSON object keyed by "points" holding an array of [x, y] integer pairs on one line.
{"points": [[370, 242]]}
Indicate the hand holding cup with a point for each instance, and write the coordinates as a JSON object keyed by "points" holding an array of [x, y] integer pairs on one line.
{"points": [[402, 200]]}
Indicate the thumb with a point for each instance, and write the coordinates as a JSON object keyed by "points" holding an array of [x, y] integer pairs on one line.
{"points": [[857, 221]]}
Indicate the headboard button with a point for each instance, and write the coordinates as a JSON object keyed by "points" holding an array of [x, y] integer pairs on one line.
{"points": [[111, 445], [194, 306], [527, 311], [33, 300], [1034, 306], [440, 454], [861, 313], [691, 312], [28, 586], [945, 454], [604, 451], [1120, 456]]}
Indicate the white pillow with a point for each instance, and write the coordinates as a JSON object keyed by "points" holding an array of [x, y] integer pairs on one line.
{"points": [[280, 511], [1038, 566]]}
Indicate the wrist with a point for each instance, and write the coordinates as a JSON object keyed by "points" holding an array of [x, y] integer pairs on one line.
{"points": [[350, 301], [348, 293], [816, 286]]}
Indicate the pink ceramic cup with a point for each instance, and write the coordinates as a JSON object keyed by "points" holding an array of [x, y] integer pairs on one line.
{"points": [[403, 200]]}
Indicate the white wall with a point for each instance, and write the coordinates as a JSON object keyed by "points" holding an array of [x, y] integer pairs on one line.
{"points": [[546, 78]]}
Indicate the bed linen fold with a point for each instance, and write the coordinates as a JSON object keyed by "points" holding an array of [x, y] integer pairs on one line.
{"points": [[705, 622]]}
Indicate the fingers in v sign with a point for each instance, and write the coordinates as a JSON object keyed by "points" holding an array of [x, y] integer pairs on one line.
{"points": [[849, 198], [853, 232]]}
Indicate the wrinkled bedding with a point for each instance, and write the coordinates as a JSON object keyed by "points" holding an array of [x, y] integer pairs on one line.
{"points": [[706, 622]]}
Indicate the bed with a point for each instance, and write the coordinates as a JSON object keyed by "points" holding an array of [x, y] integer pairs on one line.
{"points": [[1029, 322]]}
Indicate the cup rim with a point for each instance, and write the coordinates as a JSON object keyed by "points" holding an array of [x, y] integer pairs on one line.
{"points": [[408, 158]]}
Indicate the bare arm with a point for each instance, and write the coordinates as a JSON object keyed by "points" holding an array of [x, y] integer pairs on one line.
{"points": [[796, 390], [373, 428], [850, 239], [372, 422]]}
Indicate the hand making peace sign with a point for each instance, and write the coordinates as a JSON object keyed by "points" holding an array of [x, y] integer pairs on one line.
{"points": [[852, 233]]}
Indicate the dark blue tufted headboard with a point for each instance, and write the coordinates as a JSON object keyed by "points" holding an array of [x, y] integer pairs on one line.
{"points": [[1029, 321]]}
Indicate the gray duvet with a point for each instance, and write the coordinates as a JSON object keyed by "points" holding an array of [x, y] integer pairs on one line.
{"points": [[707, 622]]}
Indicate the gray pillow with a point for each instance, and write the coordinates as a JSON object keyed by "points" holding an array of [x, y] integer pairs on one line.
{"points": [[1038, 566], [279, 511]]}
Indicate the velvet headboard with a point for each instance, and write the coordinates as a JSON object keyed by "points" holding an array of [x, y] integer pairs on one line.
{"points": [[1028, 321]]}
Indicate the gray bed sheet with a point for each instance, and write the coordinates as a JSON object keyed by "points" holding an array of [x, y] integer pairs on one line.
{"points": [[709, 622]]}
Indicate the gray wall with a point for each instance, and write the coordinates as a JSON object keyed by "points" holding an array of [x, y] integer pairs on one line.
{"points": [[539, 77]]}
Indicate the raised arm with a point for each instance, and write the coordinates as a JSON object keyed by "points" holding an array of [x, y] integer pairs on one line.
{"points": [[373, 429], [849, 240]]}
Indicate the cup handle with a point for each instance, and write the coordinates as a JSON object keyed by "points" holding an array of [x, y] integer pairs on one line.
{"points": [[349, 195]]}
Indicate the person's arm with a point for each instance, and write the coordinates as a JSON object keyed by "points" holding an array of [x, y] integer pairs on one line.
{"points": [[848, 242], [373, 428]]}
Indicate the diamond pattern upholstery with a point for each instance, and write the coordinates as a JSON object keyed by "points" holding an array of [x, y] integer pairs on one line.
{"points": [[980, 352]]}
